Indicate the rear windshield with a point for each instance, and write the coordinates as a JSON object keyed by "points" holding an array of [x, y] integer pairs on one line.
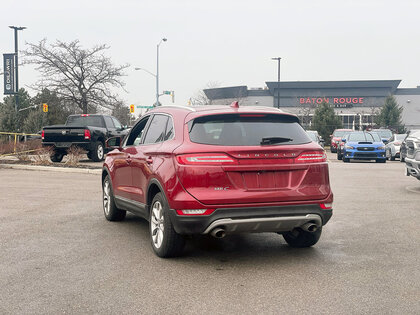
{"points": [[400, 136], [364, 136], [84, 121], [247, 130], [340, 133]]}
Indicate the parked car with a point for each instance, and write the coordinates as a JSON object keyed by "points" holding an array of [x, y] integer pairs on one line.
{"points": [[315, 137], [403, 147], [412, 159], [392, 148], [85, 131], [336, 137], [218, 170], [385, 134], [340, 146], [361, 145]]}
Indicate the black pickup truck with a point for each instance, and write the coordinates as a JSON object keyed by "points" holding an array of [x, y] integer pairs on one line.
{"points": [[87, 131]]}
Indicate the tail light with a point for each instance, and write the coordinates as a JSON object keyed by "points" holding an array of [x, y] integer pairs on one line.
{"points": [[87, 134], [84, 115], [206, 159], [326, 206], [43, 135], [311, 157], [195, 211]]}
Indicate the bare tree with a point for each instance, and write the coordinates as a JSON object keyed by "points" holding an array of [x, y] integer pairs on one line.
{"points": [[82, 76], [200, 98]]}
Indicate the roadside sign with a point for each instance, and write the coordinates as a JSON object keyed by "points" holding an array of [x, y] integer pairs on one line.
{"points": [[45, 108], [9, 73], [144, 106]]}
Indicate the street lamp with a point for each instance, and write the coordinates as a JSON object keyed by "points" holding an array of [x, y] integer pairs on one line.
{"points": [[157, 70], [17, 28], [278, 81]]}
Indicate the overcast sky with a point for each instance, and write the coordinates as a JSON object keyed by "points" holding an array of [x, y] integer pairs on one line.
{"points": [[230, 42]]}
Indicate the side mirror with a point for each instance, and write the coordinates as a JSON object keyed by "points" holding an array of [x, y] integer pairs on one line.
{"points": [[113, 143], [343, 140]]}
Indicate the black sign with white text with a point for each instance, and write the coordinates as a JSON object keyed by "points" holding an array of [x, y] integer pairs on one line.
{"points": [[9, 73]]}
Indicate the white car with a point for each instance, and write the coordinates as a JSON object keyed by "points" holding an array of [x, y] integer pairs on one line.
{"points": [[392, 149]]}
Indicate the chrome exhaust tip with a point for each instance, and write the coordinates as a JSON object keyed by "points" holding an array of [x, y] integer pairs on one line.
{"points": [[309, 227], [218, 233]]}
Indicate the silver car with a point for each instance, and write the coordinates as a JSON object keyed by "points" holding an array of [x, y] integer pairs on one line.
{"points": [[315, 137], [392, 149]]}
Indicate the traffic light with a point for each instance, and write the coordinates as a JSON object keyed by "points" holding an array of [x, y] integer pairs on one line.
{"points": [[132, 108], [45, 108]]}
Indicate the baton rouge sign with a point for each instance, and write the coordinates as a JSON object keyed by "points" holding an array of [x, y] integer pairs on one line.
{"points": [[9, 73], [336, 101]]}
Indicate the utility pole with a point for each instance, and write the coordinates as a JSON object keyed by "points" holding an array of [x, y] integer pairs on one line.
{"points": [[157, 70], [17, 28], [278, 81]]}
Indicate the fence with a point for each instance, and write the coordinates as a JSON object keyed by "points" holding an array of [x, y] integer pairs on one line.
{"points": [[10, 142]]}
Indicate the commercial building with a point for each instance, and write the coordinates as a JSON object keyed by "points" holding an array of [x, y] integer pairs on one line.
{"points": [[356, 102]]}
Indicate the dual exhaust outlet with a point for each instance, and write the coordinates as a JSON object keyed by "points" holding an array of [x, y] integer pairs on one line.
{"points": [[220, 232]]}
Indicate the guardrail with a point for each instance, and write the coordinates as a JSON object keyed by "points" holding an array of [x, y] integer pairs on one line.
{"points": [[15, 137]]}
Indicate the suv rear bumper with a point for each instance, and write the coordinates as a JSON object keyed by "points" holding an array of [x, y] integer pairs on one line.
{"points": [[251, 219]]}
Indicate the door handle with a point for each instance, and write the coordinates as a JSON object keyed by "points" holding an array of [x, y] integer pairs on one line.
{"points": [[128, 159]]}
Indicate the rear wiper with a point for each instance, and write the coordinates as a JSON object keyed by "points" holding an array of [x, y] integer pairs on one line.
{"points": [[273, 140]]}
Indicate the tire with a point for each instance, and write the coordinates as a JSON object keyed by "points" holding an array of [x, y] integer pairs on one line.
{"points": [[333, 151], [57, 157], [392, 158], [165, 241], [339, 156], [89, 155], [345, 160], [111, 212], [98, 152], [299, 238], [381, 161], [387, 155], [402, 160]]}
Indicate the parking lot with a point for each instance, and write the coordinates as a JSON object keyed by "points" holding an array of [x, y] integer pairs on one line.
{"points": [[59, 254]]}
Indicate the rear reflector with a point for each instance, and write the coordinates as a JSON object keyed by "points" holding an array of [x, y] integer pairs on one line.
{"points": [[43, 134], [195, 211], [311, 157], [87, 134], [206, 159], [326, 206]]}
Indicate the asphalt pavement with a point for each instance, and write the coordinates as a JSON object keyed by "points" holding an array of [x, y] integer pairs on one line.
{"points": [[59, 255]]}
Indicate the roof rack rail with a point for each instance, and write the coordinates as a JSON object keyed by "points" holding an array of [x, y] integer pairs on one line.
{"points": [[177, 106]]}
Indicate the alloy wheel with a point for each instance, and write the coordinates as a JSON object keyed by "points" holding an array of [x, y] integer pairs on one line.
{"points": [[157, 224], [100, 152], [107, 197]]}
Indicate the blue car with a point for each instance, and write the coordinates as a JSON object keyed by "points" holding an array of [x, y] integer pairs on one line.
{"points": [[360, 145]]}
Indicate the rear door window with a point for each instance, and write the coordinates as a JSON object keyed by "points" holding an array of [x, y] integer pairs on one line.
{"points": [[247, 130], [108, 122], [157, 129]]}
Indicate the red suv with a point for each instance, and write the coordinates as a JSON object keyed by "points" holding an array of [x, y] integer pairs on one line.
{"points": [[218, 170]]}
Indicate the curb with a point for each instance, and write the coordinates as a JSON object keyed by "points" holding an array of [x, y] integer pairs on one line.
{"points": [[51, 169]]}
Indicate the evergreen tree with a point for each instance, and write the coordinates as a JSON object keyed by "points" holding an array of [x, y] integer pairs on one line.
{"points": [[325, 120], [390, 115], [10, 120]]}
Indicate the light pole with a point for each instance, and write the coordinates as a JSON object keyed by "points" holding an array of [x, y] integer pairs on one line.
{"points": [[278, 81], [157, 70], [17, 28]]}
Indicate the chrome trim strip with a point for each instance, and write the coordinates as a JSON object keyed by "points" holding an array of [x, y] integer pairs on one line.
{"points": [[257, 224]]}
